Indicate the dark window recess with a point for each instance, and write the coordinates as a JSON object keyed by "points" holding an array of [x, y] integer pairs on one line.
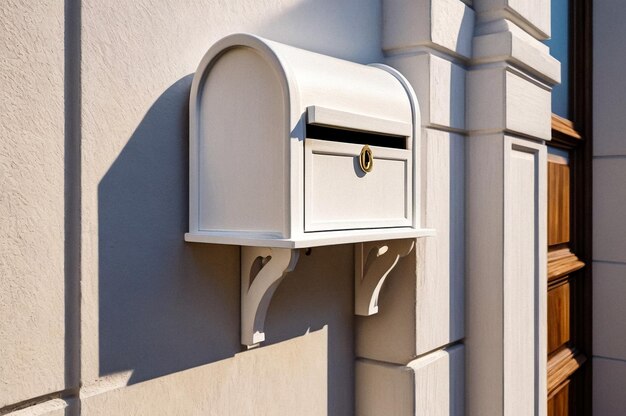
{"points": [[333, 134]]}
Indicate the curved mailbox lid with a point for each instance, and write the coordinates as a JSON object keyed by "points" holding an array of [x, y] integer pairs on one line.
{"points": [[313, 79]]}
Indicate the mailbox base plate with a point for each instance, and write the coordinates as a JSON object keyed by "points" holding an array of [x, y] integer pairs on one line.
{"points": [[305, 240]]}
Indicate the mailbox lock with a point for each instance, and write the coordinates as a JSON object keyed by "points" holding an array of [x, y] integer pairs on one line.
{"points": [[366, 159]]}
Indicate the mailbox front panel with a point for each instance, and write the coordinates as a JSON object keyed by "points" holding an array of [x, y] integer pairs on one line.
{"points": [[341, 195]]}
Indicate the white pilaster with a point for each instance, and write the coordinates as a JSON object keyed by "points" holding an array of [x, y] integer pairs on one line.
{"points": [[506, 276], [508, 119]]}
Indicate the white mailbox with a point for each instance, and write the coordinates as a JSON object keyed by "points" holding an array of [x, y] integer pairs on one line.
{"points": [[292, 149]]}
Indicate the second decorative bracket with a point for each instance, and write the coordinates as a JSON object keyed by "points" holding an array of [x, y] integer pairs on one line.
{"points": [[373, 262]]}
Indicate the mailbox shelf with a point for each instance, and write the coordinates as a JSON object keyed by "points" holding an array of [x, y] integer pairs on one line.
{"points": [[314, 239]]}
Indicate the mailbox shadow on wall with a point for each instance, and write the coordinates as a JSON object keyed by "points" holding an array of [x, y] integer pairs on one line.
{"points": [[166, 305]]}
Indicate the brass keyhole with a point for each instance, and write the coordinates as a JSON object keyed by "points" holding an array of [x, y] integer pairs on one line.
{"points": [[366, 159]]}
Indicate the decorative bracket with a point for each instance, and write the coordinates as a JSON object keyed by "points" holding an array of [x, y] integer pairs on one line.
{"points": [[373, 262], [262, 270]]}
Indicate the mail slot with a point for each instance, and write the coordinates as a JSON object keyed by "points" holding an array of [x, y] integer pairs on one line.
{"points": [[290, 148]]}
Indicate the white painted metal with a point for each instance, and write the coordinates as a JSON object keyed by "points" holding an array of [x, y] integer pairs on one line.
{"points": [[329, 117], [262, 270], [338, 195], [372, 263], [323, 238], [250, 101]]}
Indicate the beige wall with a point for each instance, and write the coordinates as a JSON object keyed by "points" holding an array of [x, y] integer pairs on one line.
{"points": [[609, 213], [32, 265]]}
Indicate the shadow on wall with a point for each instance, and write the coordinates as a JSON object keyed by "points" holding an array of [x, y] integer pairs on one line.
{"points": [[164, 305]]}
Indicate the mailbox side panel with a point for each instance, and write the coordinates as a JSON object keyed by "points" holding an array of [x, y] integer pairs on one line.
{"points": [[240, 149]]}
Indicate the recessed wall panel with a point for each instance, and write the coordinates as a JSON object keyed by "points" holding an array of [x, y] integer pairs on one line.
{"points": [[524, 280]]}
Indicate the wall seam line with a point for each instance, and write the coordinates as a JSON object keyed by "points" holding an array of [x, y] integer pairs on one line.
{"points": [[72, 198]]}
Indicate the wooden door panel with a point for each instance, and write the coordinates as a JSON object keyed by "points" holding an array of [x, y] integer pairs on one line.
{"points": [[558, 316], [558, 201]]}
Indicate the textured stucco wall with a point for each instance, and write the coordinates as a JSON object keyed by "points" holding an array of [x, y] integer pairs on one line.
{"points": [[32, 324]]}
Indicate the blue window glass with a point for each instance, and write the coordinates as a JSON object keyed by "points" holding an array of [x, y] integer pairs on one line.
{"points": [[559, 48]]}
